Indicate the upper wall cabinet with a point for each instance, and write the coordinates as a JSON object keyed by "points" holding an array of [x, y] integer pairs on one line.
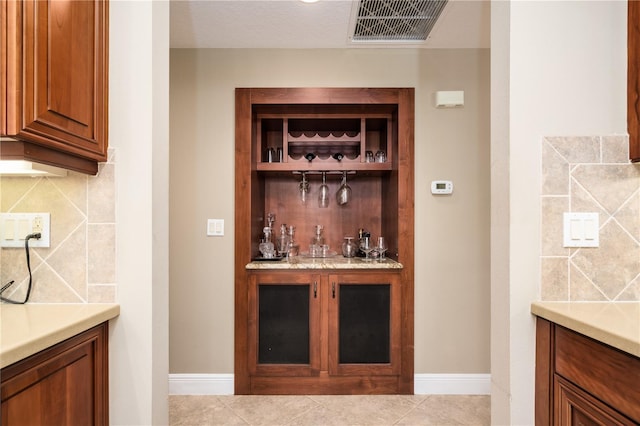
{"points": [[633, 85], [54, 84]]}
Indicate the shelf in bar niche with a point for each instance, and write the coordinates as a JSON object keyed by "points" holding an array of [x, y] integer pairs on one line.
{"points": [[324, 146], [319, 165]]}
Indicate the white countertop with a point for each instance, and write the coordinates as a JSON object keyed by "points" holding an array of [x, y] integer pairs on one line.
{"points": [[30, 328], [332, 262], [615, 323]]}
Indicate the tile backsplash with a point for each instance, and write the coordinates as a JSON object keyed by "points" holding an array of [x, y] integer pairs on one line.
{"points": [[79, 266], [590, 174]]}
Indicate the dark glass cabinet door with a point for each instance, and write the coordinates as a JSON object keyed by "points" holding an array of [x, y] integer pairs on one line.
{"points": [[283, 324], [284, 318], [364, 324]]}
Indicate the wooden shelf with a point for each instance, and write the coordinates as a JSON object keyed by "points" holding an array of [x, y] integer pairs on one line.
{"points": [[323, 165], [324, 145]]}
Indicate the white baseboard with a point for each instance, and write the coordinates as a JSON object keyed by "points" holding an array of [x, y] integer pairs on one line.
{"points": [[452, 384], [424, 384], [200, 384]]}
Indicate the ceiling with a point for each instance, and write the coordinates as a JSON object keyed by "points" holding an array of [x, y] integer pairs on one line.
{"points": [[298, 25]]}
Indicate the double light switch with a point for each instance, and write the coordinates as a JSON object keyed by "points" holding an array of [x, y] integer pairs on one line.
{"points": [[581, 230]]}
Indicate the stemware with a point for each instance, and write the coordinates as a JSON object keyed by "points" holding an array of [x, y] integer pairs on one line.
{"points": [[381, 248], [344, 193], [366, 246], [323, 196], [349, 247], [304, 188]]}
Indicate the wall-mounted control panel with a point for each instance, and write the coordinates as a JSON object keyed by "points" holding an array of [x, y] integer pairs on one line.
{"points": [[441, 187], [581, 230], [14, 228], [215, 227]]}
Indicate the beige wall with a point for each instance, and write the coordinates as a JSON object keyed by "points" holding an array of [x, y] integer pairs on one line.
{"points": [[452, 232]]}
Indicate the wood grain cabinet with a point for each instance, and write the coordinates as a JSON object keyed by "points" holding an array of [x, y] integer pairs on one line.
{"points": [[287, 136], [580, 381], [66, 384], [54, 85], [330, 333]]}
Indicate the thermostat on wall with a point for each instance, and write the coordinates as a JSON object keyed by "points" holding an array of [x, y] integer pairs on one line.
{"points": [[439, 187]]}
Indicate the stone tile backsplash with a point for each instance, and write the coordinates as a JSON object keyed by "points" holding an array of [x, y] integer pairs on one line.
{"points": [[79, 267], [590, 174]]}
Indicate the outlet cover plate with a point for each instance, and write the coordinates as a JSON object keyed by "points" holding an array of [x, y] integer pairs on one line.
{"points": [[14, 227]]}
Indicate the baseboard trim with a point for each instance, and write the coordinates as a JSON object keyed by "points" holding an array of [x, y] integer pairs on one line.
{"points": [[452, 384], [424, 384], [200, 384]]}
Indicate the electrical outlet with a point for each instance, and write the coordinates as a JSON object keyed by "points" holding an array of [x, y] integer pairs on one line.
{"points": [[14, 228], [36, 224]]}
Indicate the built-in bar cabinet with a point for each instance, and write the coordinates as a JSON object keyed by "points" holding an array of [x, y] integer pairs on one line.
{"points": [[327, 325]]}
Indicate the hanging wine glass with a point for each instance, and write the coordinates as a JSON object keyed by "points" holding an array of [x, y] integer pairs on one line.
{"points": [[344, 192], [323, 195], [304, 188]]}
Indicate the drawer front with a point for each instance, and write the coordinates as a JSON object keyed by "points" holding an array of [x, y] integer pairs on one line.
{"points": [[576, 407], [610, 375]]}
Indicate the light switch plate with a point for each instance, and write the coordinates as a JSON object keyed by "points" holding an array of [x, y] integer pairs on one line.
{"points": [[581, 230], [14, 227], [215, 227]]}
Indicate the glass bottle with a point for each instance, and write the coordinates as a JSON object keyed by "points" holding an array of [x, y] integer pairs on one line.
{"points": [[294, 248], [283, 240], [316, 245], [266, 246], [318, 237]]}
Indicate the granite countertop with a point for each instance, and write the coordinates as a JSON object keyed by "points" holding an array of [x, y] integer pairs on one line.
{"points": [[30, 328], [332, 262], [615, 323]]}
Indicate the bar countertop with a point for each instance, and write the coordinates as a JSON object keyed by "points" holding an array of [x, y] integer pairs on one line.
{"points": [[332, 262]]}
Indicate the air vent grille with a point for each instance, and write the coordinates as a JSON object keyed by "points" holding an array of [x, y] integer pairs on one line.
{"points": [[396, 20]]}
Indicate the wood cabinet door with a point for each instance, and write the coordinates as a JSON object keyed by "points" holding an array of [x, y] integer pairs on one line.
{"points": [[574, 406], [284, 324], [364, 324], [64, 385], [57, 75]]}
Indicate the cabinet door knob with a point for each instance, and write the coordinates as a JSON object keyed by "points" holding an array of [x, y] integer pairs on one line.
{"points": [[333, 290], [315, 289]]}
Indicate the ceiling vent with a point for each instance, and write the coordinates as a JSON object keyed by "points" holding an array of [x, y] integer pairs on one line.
{"points": [[396, 20]]}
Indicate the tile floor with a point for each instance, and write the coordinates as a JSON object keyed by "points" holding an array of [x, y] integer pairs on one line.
{"points": [[327, 410]]}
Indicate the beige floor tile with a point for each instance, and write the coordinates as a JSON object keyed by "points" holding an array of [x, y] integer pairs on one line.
{"points": [[268, 410], [450, 410], [200, 410], [369, 409], [328, 410]]}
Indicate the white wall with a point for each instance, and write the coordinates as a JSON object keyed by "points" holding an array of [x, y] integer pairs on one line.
{"points": [[565, 69], [138, 129]]}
